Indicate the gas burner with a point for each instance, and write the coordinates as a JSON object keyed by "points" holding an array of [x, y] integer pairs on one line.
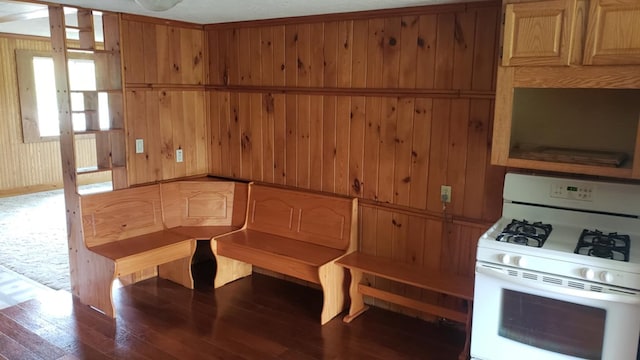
{"points": [[525, 233], [609, 246]]}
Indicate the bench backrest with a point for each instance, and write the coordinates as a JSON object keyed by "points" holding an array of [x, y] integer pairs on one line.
{"points": [[197, 203], [120, 214], [314, 218]]}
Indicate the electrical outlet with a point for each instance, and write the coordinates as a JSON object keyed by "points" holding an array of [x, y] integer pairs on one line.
{"points": [[139, 146], [179, 155], [445, 193]]}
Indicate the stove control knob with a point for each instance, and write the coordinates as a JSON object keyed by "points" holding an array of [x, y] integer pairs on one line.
{"points": [[504, 258], [520, 261], [587, 273], [606, 276]]}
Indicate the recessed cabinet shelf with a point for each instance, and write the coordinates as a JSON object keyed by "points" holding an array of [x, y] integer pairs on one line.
{"points": [[586, 131]]}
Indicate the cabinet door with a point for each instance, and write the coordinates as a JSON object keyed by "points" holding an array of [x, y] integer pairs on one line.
{"points": [[538, 33], [613, 33]]}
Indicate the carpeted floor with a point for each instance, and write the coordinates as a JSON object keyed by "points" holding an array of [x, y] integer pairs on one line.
{"points": [[33, 240]]}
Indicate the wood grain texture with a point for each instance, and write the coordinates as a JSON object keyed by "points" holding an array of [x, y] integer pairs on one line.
{"points": [[395, 150]]}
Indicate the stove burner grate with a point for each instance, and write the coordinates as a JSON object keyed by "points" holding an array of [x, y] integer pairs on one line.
{"points": [[609, 246], [522, 232]]}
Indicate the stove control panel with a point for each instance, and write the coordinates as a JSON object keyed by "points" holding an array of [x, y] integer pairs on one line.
{"points": [[572, 191]]}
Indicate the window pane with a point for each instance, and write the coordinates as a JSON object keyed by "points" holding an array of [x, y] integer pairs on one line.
{"points": [[82, 74], [46, 101], [77, 102], [79, 122], [103, 113]]}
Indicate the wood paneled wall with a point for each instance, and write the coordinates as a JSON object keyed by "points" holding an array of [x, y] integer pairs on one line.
{"points": [[384, 108], [165, 99], [29, 167]]}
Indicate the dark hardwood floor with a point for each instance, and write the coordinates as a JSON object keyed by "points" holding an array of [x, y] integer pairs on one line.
{"points": [[258, 317]]}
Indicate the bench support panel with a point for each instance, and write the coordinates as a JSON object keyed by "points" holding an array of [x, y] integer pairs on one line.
{"points": [[178, 271], [357, 306], [227, 269], [332, 282]]}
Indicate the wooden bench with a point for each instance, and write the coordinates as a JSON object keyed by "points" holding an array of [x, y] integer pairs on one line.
{"points": [[130, 230], [296, 233], [423, 278]]}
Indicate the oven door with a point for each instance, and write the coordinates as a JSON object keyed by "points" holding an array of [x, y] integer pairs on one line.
{"points": [[517, 318]]}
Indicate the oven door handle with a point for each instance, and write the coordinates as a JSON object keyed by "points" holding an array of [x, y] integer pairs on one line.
{"points": [[498, 274]]}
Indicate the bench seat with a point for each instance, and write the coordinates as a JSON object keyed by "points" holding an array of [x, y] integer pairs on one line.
{"points": [[144, 251], [421, 277], [296, 258], [151, 229], [296, 233], [203, 232]]}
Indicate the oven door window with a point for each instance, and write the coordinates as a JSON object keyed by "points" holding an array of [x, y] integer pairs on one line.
{"points": [[553, 325]]}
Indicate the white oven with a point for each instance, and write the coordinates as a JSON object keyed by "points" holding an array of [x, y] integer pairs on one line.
{"points": [[549, 300]]}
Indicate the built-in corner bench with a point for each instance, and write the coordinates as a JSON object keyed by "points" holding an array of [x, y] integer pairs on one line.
{"points": [[295, 233], [429, 279], [130, 230]]}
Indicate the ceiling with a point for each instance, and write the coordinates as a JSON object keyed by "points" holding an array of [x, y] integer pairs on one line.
{"points": [[30, 19]]}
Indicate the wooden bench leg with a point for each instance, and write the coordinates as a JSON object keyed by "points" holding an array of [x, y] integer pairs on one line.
{"points": [[332, 280], [357, 300], [178, 271], [228, 269], [95, 280]]}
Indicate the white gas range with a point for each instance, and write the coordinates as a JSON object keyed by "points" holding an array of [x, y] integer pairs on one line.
{"points": [[558, 276]]}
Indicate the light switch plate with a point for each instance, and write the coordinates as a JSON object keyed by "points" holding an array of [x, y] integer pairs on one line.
{"points": [[179, 155], [139, 146]]}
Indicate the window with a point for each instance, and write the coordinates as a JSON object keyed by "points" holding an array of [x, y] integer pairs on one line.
{"points": [[38, 102]]}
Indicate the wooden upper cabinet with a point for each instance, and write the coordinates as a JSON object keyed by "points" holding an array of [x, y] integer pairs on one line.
{"points": [[613, 33], [538, 33]]}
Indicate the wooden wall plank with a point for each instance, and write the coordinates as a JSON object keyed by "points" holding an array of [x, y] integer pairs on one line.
{"points": [[444, 51], [303, 148], [268, 138], [359, 60], [386, 167], [244, 56], [150, 45], [291, 55], [464, 37], [328, 144], [369, 183], [439, 153], [304, 55], [391, 52], [317, 61], [291, 149], [330, 54], [266, 56], [344, 56], [235, 132], [280, 136], [342, 142], [479, 113], [279, 55], [408, 51], [356, 146], [315, 140], [403, 143], [256, 136], [255, 57], [420, 148], [457, 153], [426, 54], [246, 138]]}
